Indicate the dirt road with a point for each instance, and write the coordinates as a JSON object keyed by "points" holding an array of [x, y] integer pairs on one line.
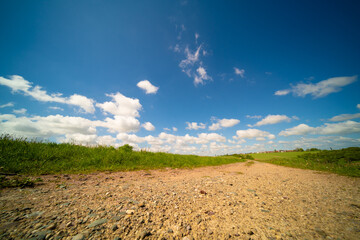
{"points": [[235, 201]]}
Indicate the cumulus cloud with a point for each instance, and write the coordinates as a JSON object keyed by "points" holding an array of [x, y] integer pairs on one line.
{"points": [[10, 104], [223, 123], [19, 111], [19, 85], [121, 105], [344, 117], [300, 129], [346, 127], [195, 125], [120, 124], [320, 89], [49, 126], [253, 133], [58, 125], [148, 126], [240, 72], [273, 119], [148, 87]]}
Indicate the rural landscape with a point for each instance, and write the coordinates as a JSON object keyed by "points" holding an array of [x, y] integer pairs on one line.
{"points": [[179, 120]]}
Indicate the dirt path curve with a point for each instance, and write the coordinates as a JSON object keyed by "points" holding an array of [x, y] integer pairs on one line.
{"points": [[235, 201]]}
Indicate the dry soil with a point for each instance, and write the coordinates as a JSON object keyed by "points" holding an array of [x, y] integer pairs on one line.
{"points": [[235, 201]]}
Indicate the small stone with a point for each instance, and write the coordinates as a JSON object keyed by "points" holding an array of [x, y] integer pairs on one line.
{"points": [[114, 227], [320, 232], [170, 230], [116, 218], [34, 214], [188, 227], [143, 234], [52, 226], [79, 236], [117, 238], [130, 212], [97, 223], [69, 224]]}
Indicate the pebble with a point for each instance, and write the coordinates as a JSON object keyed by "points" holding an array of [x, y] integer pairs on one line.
{"points": [[114, 227], [79, 236], [130, 212], [143, 234], [97, 223]]}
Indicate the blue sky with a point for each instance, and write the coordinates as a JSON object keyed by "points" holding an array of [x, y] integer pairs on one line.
{"points": [[201, 77]]}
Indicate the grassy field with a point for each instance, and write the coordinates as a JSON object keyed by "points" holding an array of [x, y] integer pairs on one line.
{"points": [[32, 157], [344, 162]]}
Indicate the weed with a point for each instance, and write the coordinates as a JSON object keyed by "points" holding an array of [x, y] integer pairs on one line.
{"points": [[15, 182], [249, 163]]}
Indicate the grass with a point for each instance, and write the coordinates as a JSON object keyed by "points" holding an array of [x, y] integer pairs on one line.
{"points": [[23, 156], [344, 162], [17, 181], [249, 163]]}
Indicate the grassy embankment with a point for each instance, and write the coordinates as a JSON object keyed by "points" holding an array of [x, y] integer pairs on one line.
{"points": [[344, 162], [22, 156]]}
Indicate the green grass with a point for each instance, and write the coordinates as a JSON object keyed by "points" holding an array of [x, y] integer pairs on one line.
{"points": [[344, 162], [23, 156]]}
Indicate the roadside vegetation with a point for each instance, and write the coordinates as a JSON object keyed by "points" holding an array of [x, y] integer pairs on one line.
{"points": [[24, 156], [344, 162]]}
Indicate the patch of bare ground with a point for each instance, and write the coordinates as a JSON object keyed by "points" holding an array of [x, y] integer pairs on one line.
{"points": [[237, 201]]}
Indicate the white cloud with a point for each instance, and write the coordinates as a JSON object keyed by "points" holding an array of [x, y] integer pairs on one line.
{"points": [[148, 126], [347, 127], [10, 104], [195, 126], [253, 133], [49, 126], [273, 119], [19, 85], [282, 92], [358, 106], [191, 58], [207, 137], [19, 111], [344, 117], [196, 36], [300, 129], [83, 102], [201, 76], [174, 129], [322, 142], [240, 72], [120, 124], [121, 105], [223, 123], [254, 117], [320, 89], [57, 108], [148, 87], [176, 48]]}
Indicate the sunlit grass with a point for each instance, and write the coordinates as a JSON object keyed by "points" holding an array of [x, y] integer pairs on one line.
{"points": [[344, 162], [25, 156]]}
